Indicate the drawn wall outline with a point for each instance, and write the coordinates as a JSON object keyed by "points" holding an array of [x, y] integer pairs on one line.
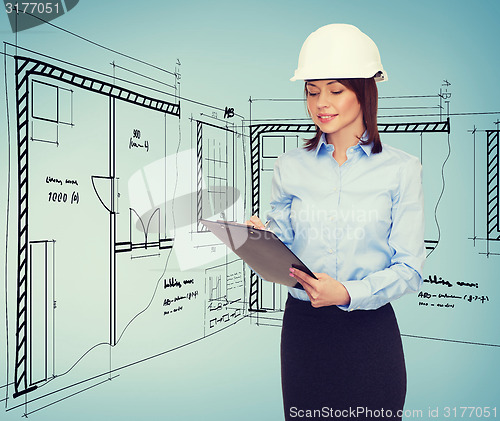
{"points": [[26, 67], [490, 237], [492, 186]]}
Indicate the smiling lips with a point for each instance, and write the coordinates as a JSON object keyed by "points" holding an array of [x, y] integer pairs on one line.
{"points": [[324, 118]]}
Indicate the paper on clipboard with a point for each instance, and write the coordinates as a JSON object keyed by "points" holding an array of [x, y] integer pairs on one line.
{"points": [[261, 249]]}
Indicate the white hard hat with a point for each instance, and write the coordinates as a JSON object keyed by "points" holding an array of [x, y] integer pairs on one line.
{"points": [[339, 51]]}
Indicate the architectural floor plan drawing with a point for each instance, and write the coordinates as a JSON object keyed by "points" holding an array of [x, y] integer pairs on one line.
{"points": [[270, 139], [423, 126], [104, 188]]}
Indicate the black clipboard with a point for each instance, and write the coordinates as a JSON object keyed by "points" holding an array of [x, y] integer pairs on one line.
{"points": [[261, 249]]}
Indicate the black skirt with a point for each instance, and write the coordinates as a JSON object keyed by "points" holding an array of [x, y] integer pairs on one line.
{"points": [[341, 365]]}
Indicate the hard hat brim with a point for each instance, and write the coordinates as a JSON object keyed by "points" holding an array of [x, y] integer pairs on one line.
{"points": [[380, 76]]}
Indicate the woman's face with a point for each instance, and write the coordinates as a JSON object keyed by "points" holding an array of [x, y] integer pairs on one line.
{"points": [[334, 108]]}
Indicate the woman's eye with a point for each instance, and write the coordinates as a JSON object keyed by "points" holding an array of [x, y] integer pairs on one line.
{"points": [[312, 93], [337, 92]]}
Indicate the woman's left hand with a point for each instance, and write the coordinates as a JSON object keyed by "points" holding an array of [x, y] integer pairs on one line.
{"points": [[324, 291]]}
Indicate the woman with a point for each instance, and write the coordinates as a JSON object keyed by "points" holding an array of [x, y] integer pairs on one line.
{"points": [[351, 208]]}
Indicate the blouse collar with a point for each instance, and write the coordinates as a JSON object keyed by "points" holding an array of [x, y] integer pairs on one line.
{"points": [[367, 149]]}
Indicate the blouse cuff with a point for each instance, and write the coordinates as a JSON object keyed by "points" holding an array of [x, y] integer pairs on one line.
{"points": [[357, 291]]}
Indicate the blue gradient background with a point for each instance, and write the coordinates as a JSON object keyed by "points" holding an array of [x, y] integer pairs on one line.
{"points": [[231, 50]]}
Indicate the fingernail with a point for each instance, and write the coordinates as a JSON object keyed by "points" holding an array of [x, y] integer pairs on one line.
{"points": [[292, 270]]}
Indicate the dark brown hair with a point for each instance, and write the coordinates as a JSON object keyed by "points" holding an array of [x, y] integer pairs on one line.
{"points": [[367, 95]]}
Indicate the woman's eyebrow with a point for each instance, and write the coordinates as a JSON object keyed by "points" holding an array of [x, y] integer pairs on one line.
{"points": [[329, 83]]}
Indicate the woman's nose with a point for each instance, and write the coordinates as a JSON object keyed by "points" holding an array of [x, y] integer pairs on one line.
{"points": [[322, 100]]}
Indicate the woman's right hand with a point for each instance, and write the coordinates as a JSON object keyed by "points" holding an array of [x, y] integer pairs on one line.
{"points": [[255, 221]]}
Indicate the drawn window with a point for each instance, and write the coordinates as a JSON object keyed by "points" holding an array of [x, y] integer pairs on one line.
{"points": [[273, 146], [51, 103], [51, 106]]}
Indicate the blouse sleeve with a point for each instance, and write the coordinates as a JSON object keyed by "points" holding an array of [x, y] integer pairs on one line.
{"points": [[406, 240], [281, 201]]}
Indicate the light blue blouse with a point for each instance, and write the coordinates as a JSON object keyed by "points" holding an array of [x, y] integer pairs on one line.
{"points": [[362, 222]]}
